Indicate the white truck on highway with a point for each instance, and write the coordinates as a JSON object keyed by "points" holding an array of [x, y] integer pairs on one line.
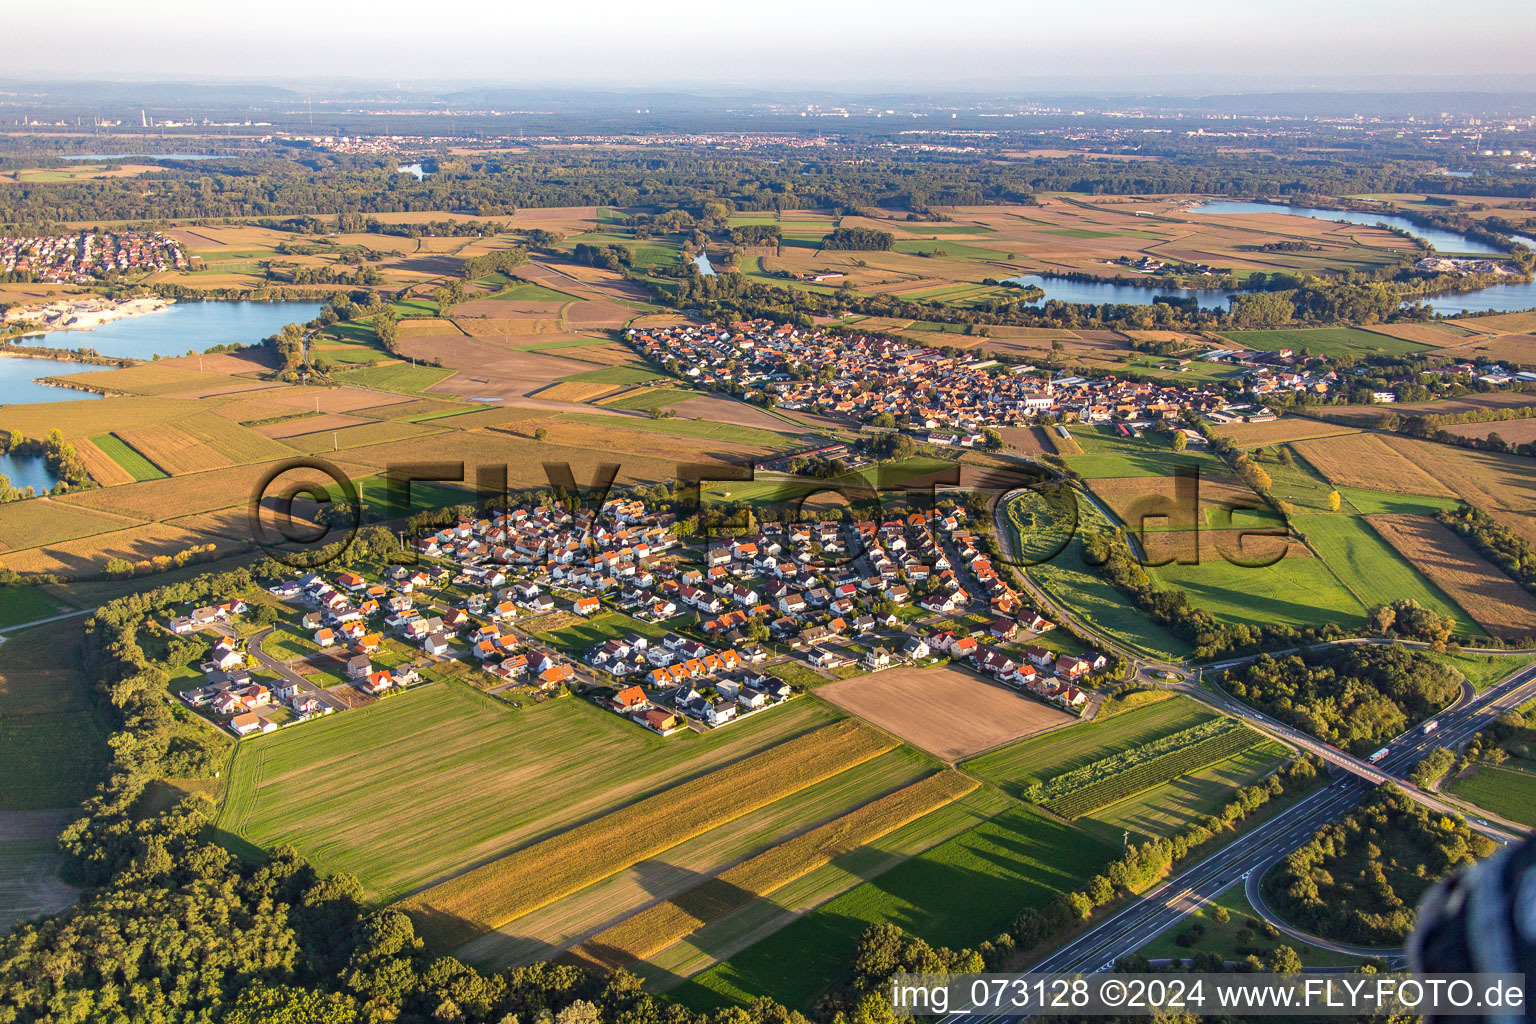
{"points": [[1378, 755], [1431, 726]]}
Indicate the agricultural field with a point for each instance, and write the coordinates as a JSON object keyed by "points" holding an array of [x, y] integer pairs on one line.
{"points": [[1069, 579], [1325, 341], [1369, 462], [955, 894], [127, 458], [1298, 592], [305, 787], [53, 734], [653, 929], [1034, 761], [1507, 792], [1496, 602], [1371, 569], [1291, 428], [946, 710], [466, 906], [1188, 800], [1121, 778], [1155, 502]]}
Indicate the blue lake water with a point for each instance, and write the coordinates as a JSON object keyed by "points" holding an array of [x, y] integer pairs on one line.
{"points": [[414, 170], [17, 386], [1443, 241], [1503, 298], [27, 471], [184, 327], [705, 267], [1099, 292]]}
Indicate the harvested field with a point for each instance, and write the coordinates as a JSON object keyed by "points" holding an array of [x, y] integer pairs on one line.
{"points": [[1439, 335], [1279, 431], [90, 555], [491, 370], [1498, 603], [26, 524], [1512, 431], [411, 409], [154, 379], [1367, 461], [585, 315], [1029, 440], [453, 912], [1250, 547], [719, 409], [308, 425], [1487, 479], [194, 492], [29, 864], [203, 441], [508, 327], [101, 466], [357, 435], [658, 926], [87, 419], [1514, 348], [1500, 323], [945, 710], [577, 391]]}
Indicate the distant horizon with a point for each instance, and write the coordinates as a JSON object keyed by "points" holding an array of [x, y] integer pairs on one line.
{"points": [[985, 45]]}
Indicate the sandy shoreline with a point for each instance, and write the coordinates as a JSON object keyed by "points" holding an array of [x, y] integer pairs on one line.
{"points": [[86, 314]]}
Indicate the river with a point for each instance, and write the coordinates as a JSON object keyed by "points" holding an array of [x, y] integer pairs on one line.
{"points": [[1443, 241]]}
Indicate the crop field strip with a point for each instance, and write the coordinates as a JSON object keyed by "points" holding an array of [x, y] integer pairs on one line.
{"points": [[1015, 766], [451, 779], [966, 887], [1153, 773], [1372, 569], [663, 924], [1499, 604], [454, 912], [1176, 805], [1368, 462], [1068, 782]]}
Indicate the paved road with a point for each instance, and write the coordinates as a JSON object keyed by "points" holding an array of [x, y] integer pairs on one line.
{"points": [[281, 668]]}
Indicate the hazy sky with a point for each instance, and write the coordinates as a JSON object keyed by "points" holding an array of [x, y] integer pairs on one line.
{"points": [[790, 42]]}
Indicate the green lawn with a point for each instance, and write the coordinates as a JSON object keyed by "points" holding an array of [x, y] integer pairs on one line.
{"points": [[1483, 670], [1325, 341], [127, 457], [25, 604], [1372, 570], [651, 398], [576, 639], [1141, 464], [1507, 792], [1371, 503], [629, 375], [1298, 483], [427, 782], [1293, 591], [956, 894], [51, 732], [1014, 767], [527, 291], [408, 378]]}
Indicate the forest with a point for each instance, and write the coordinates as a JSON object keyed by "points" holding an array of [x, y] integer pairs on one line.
{"points": [[1356, 697], [1358, 879]]}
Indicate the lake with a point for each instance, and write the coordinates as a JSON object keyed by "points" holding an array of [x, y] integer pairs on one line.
{"points": [[1099, 292], [184, 327], [1503, 298], [705, 267], [414, 170], [17, 386], [1443, 241], [27, 471]]}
